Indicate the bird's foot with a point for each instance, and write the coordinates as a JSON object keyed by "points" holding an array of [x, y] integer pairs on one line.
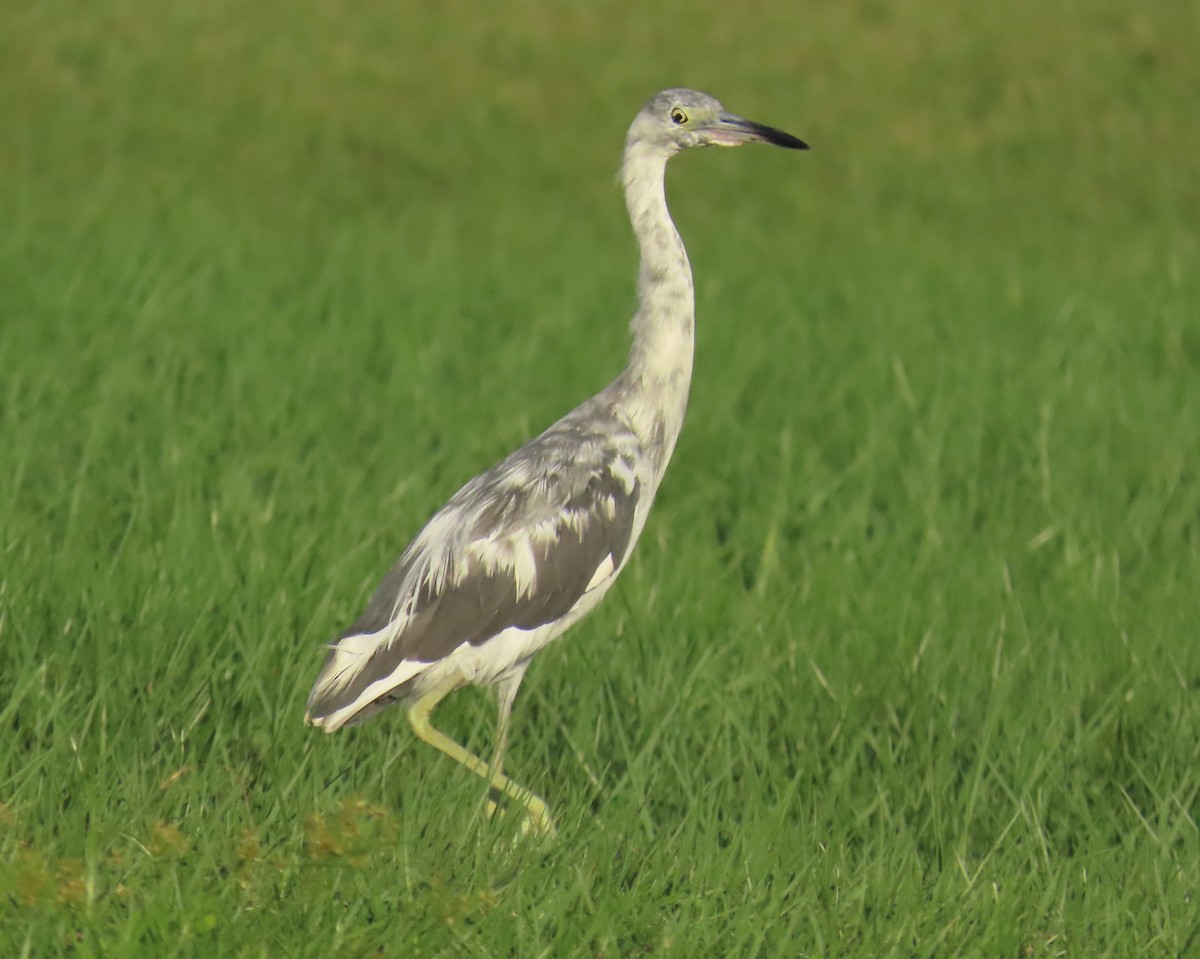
{"points": [[537, 823]]}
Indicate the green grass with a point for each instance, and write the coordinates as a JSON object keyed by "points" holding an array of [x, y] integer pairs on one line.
{"points": [[906, 663]]}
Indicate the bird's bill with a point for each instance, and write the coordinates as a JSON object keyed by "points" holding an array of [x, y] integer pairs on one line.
{"points": [[732, 131]]}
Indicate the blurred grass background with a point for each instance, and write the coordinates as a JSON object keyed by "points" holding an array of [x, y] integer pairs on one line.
{"points": [[906, 663]]}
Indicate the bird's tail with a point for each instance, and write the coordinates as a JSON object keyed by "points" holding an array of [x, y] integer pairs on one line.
{"points": [[358, 679]]}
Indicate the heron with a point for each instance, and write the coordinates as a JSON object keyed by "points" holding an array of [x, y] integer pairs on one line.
{"points": [[530, 546]]}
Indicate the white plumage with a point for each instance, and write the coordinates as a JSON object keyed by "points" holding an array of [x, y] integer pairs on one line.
{"points": [[530, 546]]}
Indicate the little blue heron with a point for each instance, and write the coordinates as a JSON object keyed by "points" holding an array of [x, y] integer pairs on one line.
{"points": [[530, 546]]}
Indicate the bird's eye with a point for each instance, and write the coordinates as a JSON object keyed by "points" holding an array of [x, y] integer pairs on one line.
{"points": [[678, 116]]}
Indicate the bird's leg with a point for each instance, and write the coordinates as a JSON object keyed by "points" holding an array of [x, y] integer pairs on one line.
{"points": [[506, 692], [418, 717], [497, 765]]}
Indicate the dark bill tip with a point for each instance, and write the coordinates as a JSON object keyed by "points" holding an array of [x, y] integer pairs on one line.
{"points": [[778, 137], [730, 130]]}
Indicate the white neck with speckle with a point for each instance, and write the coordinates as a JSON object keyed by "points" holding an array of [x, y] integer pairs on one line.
{"points": [[660, 361]]}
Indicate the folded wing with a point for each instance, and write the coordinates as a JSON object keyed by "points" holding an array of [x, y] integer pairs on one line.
{"points": [[518, 546]]}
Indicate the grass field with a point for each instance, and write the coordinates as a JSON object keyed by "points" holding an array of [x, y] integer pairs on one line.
{"points": [[906, 663]]}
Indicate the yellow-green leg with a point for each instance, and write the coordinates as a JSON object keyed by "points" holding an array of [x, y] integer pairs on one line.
{"points": [[418, 716]]}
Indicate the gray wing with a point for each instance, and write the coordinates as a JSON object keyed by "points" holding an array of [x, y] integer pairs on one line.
{"points": [[517, 546]]}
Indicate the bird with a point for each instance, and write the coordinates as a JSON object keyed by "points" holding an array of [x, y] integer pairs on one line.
{"points": [[530, 546]]}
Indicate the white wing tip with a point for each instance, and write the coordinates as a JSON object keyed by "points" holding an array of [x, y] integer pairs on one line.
{"points": [[327, 724], [603, 571]]}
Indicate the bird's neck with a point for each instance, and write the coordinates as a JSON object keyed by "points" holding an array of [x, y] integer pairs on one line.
{"points": [[660, 360]]}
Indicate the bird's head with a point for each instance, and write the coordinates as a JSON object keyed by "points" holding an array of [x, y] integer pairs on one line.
{"points": [[677, 119]]}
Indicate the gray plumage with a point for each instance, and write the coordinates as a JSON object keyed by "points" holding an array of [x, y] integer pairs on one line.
{"points": [[569, 495], [531, 545]]}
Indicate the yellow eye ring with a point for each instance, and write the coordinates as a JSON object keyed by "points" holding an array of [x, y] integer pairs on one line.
{"points": [[678, 116]]}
